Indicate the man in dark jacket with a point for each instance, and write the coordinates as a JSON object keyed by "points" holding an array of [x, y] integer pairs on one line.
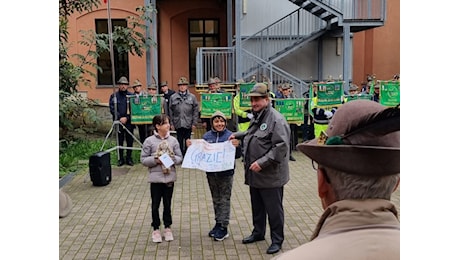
{"points": [[266, 167], [167, 93], [183, 111], [122, 115]]}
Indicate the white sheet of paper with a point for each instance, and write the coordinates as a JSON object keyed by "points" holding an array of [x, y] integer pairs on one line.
{"points": [[166, 160], [209, 157]]}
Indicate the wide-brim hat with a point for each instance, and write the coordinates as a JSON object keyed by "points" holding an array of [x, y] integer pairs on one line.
{"points": [[363, 138], [285, 86], [353, 87], [152, 86], [164, 83], [137, 83], [212, 81], [259, 90], [123, 80], [182, 81]]}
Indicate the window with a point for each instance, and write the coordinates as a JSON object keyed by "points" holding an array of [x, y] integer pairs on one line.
{"points": [[202, 33], [120, 60]]}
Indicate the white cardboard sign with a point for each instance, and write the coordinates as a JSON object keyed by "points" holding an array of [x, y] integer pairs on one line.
{"points": [[209, 157]]}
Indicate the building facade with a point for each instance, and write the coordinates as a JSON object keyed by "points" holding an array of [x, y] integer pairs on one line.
{"points": [[181, 27]]}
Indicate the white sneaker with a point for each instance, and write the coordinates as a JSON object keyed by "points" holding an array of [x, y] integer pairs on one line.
{"points": [[156, 236], [168, 234]]}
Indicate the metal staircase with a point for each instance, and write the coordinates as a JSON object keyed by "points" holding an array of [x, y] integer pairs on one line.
{"points": [[312, 20]]}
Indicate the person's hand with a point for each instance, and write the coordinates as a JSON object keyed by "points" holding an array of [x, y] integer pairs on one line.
{"points": [[328, 114], [193, 127], [188, 142], [255, 167], [123, 120], [172, 128], [231, 137], [235, 142], [250, 115], [204, 124]]}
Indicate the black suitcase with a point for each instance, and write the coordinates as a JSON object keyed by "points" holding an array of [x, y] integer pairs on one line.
{"points": [[100, 169]]}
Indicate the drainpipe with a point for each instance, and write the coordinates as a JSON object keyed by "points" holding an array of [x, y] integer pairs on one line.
{"points": [[346, 56], [152, 51], [229, 76], [238, 58]]}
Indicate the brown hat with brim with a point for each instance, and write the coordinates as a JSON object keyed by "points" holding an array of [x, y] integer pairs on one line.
{"points": [[182, 81], [259, 90], [164, 83], [362, 139], [123, 80], [152, 86], [137, 83]]}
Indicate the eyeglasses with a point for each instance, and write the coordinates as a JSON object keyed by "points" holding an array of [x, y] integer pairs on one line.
{"points": [[314, 165]]}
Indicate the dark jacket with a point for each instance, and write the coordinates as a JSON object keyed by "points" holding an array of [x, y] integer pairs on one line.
{"points": [[167, 97], [213, 136], [267, 142], [122, 105], [183, 110]]}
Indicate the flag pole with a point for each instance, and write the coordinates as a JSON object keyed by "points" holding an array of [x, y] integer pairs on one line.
{"points": [[115, 102]]}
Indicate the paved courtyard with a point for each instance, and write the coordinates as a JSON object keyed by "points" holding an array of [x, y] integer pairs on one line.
{"points": [[113, 222]]}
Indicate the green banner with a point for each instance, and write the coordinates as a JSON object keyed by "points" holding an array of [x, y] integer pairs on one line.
{"points": [[144, 108], [211, 102], [245, 101], [358, 96], [292, 109], [329, 93], [389, 93]]}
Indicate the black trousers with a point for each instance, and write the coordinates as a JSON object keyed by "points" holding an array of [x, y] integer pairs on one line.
{"points": [[268, 202], [159, 191], [122, 136], [293, 138], [182, 135], [308, 129]]}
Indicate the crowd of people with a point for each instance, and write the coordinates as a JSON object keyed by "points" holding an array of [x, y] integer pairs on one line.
{"points": [[357, 223]]}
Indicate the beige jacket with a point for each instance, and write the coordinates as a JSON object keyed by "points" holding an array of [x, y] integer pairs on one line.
{"points": [[352, 229]]}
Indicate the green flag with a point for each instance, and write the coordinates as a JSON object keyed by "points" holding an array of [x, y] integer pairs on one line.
{"points": [[211, 102], [245, 101], [329, 93], [389, 93], [144, 108], [292, 109]]}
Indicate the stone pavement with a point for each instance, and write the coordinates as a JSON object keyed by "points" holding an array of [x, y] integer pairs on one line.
{"points": [[113, 222]]}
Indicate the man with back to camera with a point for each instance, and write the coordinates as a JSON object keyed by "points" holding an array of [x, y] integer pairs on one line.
{"points": [[358, 170]]}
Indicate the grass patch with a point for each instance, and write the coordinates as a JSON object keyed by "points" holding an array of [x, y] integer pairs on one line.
{"points": [[74, 155]]}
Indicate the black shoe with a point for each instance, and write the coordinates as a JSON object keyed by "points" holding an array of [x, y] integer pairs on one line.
{"points": [[292, 158], [214, 230], [252, 238], [221, 234], [129, 162], [274, 248], [121, 162]]}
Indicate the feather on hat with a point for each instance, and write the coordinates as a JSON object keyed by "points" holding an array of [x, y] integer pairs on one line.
{"points": [[363, 138]]}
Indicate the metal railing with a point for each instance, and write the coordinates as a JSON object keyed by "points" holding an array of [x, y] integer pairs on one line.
{"points": [[283, 34], [260, 50]]}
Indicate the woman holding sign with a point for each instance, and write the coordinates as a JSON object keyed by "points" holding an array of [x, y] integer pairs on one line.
{"points": [[220, 183]]}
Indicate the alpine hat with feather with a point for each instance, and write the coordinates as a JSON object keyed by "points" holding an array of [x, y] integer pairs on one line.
{"points": [[362, 139]]}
